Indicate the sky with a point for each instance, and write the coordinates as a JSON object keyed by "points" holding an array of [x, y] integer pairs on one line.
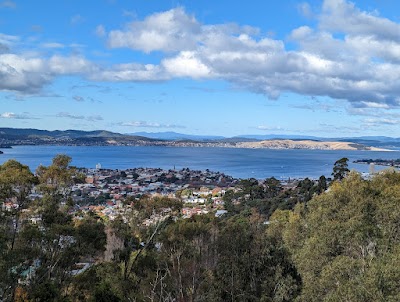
{"points": [[323, 68]]}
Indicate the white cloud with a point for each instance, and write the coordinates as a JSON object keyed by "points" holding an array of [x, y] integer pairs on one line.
{"points": [[18, 73], [28, 74], [12, 115], [143, 124], [186, 65], [360, 67], [172, 30], [381, 121], [349, 55], [130, 72], [344, 16], [70, 65]]}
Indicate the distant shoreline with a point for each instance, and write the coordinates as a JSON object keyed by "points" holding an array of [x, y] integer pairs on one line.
{"points": [[266, 144], [28, 137]]}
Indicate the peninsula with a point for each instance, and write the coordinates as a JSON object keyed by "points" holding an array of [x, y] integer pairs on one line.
{"points": [[308, 144]]}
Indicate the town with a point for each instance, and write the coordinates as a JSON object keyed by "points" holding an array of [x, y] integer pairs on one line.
{"points": [[111, 193]]}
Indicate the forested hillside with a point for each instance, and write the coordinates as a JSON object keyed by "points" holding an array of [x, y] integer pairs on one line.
{"points": [[307, 243]]}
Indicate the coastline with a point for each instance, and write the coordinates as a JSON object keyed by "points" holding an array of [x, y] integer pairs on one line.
{"points": [[266, 144]]}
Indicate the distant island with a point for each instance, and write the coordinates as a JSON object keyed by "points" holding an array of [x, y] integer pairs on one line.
{"points": [[12, 137], [380, 162]]}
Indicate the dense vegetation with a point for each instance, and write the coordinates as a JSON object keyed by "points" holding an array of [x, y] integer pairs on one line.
{"points": [[307, 243]]}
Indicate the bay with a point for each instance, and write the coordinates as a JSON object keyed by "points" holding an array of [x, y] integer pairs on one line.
{"points": [[241, 163]]}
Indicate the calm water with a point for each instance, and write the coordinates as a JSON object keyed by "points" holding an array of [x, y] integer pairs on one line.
{"points": [[242, 163]]}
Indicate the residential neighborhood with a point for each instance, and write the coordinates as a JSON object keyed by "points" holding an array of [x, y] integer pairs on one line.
{"points": [[110, 193]]}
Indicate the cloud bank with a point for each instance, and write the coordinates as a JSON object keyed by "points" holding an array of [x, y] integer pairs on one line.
{"points": [[351, 54]]}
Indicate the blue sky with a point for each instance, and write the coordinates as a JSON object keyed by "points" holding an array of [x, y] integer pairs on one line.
{"points": [[325, 68]]}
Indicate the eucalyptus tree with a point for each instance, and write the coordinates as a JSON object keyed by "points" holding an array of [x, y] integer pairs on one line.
{"points": [[56, 180], [346, 243], [16, 183]]}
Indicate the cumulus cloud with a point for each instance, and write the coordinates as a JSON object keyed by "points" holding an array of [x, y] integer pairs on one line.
{"points": [[344, 16], [28, 74], [361, 67], [350, 55], [186, 65], [143, 124], [172, 30]]}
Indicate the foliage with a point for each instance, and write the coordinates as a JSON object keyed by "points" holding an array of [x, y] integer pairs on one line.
{"points": [[57, 178], [39, 243], [345, 242], [340, 169], [303, 242]]}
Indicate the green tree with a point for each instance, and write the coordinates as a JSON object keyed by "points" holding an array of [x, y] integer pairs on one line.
{"points": [[16, 183], [251, 266], [39, 242], [322, 184], [340, 169], [56, 179], [345, 242]]}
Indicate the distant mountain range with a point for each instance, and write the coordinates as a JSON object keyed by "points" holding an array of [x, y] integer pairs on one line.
{"points": [[14, 136]]}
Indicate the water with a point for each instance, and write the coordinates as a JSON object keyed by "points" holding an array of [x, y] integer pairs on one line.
{"points": [[241, 163]]}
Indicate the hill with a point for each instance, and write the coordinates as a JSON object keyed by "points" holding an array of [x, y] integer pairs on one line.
{"points": [[13, 136]]}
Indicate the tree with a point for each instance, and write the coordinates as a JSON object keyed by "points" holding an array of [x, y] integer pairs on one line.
{"points": [[340, 169], [16, 183], [39, 242], [251, 266], [56, 179], [322, 185], [345, 242]]}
